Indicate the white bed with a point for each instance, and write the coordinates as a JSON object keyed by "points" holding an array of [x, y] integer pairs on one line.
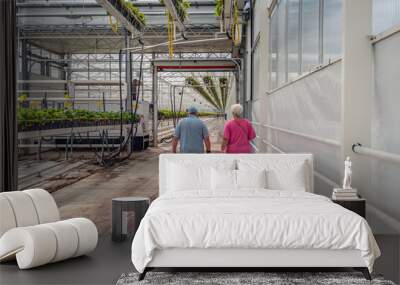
{"points": [[248, 227]]}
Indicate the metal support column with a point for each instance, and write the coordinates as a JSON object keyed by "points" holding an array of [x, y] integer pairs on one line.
{"points": [[321, 33], [25, 76], [67, 76], [237, 87], [24, 64], [8, 100], [88, 73], [24, 70], [154, 100], [128, 70]]}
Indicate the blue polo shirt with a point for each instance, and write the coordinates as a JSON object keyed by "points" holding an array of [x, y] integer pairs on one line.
{"points": [[191, 131]]}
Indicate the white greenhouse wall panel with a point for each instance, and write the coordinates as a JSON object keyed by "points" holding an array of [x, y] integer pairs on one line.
{"points": [[260, 13], [387, 100], [258, 117], [310, 106], [256, 74], [248, 65], [386, 14], [384, 191], [260, 49]]}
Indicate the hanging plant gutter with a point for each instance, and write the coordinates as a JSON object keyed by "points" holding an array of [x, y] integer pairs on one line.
{"points": [[171, 6], [125, 16]]}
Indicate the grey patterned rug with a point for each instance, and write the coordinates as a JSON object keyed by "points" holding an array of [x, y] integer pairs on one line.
{"points": [[243, 278]]}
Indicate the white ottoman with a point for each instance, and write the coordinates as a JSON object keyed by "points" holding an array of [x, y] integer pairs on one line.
{"points": [[31, 232]]}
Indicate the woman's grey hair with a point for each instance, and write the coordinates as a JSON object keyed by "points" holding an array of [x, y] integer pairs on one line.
{"points": [[237, 110]]}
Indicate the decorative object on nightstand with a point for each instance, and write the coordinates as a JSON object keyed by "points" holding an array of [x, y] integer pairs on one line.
{"points": [[120, 208], [346, 192], [347, 196], [347, 174]]}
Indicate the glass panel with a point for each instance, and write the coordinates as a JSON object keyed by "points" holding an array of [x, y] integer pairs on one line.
{"points": [[332, 29], [282, 42], [34, 67], [256, 67], [310, 32], [296, 23], [386, 14], [293, 38], [274, 50], [248, 58]]}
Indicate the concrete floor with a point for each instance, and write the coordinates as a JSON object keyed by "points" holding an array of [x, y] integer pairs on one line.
{"points": [[91, 197]]}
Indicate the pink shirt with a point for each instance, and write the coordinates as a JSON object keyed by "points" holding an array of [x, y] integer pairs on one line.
{"points": [[239, 133]]}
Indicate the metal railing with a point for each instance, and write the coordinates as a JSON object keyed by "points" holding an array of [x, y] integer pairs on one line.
{"points": [[314, 138], [253, 145], [270, 144], [378, 154]]}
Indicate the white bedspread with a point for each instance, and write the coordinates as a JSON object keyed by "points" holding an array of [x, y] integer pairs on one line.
{"points": [[250, 219]]}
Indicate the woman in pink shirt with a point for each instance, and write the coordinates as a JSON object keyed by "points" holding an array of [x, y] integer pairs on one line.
{"points": [[238, 133]]}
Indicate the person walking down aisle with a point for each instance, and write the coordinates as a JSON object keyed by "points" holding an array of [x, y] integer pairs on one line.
{"points": [[191, 132], [238, 133]]}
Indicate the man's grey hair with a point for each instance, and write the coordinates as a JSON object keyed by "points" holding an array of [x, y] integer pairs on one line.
{"points": [[237, 110]]}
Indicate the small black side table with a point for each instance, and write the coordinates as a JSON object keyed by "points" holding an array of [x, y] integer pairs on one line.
{"points": [[355, 205], [120, 208]]}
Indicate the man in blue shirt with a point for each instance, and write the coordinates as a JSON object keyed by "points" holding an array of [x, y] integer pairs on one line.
{"points": [[191, 132]]}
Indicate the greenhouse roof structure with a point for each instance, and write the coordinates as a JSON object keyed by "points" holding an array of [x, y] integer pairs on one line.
{"points": [[84, 26]]}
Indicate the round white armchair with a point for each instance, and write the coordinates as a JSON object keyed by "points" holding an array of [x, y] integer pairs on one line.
{"points": [[31, 230]]}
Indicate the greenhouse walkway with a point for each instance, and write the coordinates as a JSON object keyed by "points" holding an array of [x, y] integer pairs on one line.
{"points": [[91, 197]]}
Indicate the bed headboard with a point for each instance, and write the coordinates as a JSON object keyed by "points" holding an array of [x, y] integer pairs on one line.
{"points": [[207, 159]]}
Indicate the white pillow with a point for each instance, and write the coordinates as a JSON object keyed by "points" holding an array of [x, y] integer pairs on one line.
{"points": [[251, 178], [292, 177], [282, 174], [183, 177], [223, 179], [188, 175]]}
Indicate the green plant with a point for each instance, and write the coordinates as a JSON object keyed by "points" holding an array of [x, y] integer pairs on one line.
{"points": [[135, 11], [181, 7], [223, 86], [68, 102], [207, 114], [210, 85], [22, 98], [211, 94], [168, 114], [28, 118], [219, 7], [195, 84]]}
